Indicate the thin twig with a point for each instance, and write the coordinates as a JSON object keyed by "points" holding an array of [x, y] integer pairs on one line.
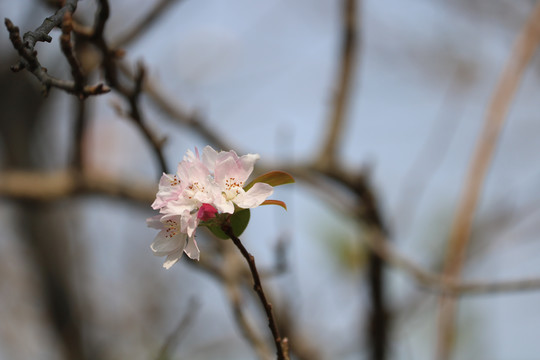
{"points": [[136, 115], [523, 50], [131, 94], [42, 32], [67, 49], [257, 286], [176, 112]]}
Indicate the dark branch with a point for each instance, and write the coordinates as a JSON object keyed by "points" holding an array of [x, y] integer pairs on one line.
{"points": [[28, 55], [67, 49], [131, 94], [136, 115], [42, 32], [179, 115], [257, 286]]}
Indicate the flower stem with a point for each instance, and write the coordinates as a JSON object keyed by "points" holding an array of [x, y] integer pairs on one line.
{"points": [[257, 286]]}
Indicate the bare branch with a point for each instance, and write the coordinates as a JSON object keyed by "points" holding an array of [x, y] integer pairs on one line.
{"points": [[42, 32], [442, 284], [132, 93], [523, 50], [171, 107], [136, 115], [102, 15], [67, 49], [39, 186], [29, 60]]}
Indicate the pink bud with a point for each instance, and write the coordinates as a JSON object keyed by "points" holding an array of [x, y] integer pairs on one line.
{"points": [[206, 212]]}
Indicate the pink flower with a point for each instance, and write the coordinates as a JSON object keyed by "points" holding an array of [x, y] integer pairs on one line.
{"points": [[202, 187], [171, 241], [230, 175], [170, 187]]}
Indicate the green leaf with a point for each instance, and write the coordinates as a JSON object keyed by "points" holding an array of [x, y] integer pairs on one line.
{"points": [[273, 178], [239, 222], [275, 202]]}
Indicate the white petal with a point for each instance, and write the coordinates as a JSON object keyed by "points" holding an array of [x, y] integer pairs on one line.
{"points": [[177, 207], [191, 249], [189, 223], [224, 206], [254, 196], [154, 222], [163, 245], [172, 259]]}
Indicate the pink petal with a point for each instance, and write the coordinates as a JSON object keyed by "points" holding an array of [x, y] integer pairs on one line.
{"points": [[163, 245], [223, 205], [209, 157], [254, 196]]}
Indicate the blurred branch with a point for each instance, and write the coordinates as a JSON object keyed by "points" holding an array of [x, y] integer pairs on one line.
{"points": [[523, 50], [180, 116], [28, 55], [173, 340], [350, 29], [67, 49], [46, 238], [379, 315], [135, 114], [441, 284], [49, 186], [131, 95], [301, 345], [376, 240], [81, 119], [144, 24]]}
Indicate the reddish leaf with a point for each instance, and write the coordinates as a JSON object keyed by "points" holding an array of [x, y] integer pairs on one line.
{"points": [[275, 202], [273, 178]]}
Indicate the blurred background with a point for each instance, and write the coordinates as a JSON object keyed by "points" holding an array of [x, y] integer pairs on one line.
{"points": [[77, 276]]}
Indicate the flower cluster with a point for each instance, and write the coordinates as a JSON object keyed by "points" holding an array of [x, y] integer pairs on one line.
{"points": [[203, 187]]}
